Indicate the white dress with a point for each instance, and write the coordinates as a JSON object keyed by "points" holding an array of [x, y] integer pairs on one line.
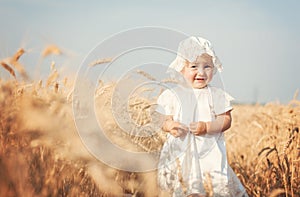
{"points": [[186, 162]]}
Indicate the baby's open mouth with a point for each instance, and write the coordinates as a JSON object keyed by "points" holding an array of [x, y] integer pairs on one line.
{"points": [[200, 79]]}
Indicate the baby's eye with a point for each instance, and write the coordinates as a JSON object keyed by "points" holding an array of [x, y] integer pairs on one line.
{"points": [[207, 67], [193, 66]]}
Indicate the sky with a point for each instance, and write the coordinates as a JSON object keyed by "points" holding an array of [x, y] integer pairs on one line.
{"points": [[257, 41]]}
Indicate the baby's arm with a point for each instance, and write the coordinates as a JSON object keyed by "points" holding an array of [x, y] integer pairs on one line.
{"points": [[175, 128], [220, 124]]}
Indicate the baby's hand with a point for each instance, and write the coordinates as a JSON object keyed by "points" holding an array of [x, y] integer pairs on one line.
{"points": [[198, 128], [176, 129]]}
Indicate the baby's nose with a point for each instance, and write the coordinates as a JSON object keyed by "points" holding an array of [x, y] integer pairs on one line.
{"points": [[200, 70]]}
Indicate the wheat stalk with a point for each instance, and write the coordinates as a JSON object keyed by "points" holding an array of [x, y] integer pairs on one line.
{"points": [[9, 69], [14, 61], [100, 61], [208, 185], [52, 77], [180, 178], [170, 80], [147, 75], [51, 49]]}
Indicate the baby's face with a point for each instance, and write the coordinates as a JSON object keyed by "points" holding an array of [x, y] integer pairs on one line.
{"points": [[200, 72]]}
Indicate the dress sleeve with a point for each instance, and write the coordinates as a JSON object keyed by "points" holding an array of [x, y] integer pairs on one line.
{"points": [[221, 101], [165, 104]]}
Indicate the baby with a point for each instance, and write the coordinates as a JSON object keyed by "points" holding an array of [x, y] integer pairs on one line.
{"points": [[196, 115]]}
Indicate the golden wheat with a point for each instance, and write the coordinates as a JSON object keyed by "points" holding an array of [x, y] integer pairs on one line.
{"points": [[14, 61], [41, 153], [9, 69], [51, 49], [100, 61]]}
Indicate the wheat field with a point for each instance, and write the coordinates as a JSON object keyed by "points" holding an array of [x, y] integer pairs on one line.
{"points": [[41, 153]]}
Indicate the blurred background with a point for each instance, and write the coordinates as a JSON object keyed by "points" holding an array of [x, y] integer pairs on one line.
{"points": [[257, 41]]}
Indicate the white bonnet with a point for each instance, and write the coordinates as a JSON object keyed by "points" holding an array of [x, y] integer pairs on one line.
{"points": [[192, 47]]}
